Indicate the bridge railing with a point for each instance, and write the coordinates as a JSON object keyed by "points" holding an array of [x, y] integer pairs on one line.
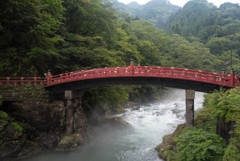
{"points": [[128, 71], [141, 71], [187, 74], [90, 74], [22, 80]]}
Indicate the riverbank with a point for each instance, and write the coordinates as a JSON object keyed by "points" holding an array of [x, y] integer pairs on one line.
{"points": [[220, 115], [149, 123], [43, 125], [21, 140], [32, 122]]}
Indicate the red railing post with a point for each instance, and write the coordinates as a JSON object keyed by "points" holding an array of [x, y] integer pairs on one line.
{"points": [[35, 80], [22, 82], [200, 75], [231, 79], [49, 78], [185, 73], [131, 68], [223, 76], [8, 80], [40, 80], [214, 77], [236, 81], [60, 78]]}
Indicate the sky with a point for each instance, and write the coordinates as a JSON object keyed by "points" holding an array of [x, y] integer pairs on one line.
{"points": [[182, 2]]}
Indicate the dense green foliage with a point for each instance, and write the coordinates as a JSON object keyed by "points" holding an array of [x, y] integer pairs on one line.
{"points": [[5, 119], [197, 144], [65, 35], [29, 35], [217, 28], [226, 105], [73, 35], [156, 12], [201, 142]]}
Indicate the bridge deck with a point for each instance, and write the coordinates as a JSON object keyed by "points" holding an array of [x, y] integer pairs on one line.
{"points": [[166, 73], [141, 71]]}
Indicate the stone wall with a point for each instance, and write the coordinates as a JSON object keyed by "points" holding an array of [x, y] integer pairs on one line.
{"points": [[25, 93], [224, 128], [42, 120]]}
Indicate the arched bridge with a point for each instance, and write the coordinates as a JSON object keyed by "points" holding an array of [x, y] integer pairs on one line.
{"points": [[166, 76], [70, 84]]}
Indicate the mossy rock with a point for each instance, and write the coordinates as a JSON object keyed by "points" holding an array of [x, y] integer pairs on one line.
{"points": [[167, 149], [70, 142]]}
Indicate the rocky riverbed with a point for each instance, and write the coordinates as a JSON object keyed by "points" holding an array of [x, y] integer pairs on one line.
{"points": [[30, 128]]}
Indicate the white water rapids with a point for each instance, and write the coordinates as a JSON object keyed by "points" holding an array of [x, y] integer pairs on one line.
{"points": [[149, 124]]}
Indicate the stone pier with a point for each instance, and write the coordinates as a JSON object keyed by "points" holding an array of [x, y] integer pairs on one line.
{"points": [[190, 96], [73, 100]]}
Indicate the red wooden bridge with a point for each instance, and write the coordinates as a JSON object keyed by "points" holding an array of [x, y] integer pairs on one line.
{"points": [[166, 76]]}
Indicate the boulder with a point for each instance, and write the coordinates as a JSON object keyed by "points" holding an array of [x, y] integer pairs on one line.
{"points": [[70, 142]]}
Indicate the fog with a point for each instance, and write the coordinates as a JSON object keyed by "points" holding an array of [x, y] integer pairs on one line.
{"points": [[149, 123]]}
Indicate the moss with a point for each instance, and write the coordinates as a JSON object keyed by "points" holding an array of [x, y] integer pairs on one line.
{"points": [[17, 127], [3, 121], [3, 115]]}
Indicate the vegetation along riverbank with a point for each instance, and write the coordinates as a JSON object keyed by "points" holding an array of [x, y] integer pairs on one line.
{"points": [[215, 136]]}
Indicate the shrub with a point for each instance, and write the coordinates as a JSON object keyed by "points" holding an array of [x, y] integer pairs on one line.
{"points": [[16, 126], [3, 115], [232, 153], [199, 145]]}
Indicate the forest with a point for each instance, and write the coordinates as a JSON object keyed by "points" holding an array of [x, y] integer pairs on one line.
{"points": [[67, 35], [60, 36], [217, 28]]}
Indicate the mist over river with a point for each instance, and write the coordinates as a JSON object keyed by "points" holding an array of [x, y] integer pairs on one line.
{"points": [[148, 125]]}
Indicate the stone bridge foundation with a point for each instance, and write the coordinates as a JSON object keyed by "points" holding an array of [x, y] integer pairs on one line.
{"points": [[190, 96], [73, 100]]}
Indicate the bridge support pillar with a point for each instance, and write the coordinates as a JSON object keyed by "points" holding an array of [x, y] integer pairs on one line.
{"points": [[73, 100], [190, 96]]}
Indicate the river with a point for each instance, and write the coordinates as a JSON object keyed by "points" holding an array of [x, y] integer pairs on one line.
{"points": [[148, 125]]}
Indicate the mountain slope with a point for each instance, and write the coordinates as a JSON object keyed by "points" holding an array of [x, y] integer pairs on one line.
{"points": [[194, 16], [156, 11]]}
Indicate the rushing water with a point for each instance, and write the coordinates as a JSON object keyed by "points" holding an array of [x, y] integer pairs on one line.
{"points": [[149, 124]]}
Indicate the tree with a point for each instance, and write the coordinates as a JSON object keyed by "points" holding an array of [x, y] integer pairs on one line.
{"points": [[29, 34]]}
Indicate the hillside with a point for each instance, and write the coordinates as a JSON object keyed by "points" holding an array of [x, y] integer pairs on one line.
{"points": [[156, 11], [217, 28]]}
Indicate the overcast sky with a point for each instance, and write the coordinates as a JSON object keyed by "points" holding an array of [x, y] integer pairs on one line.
{"points": [[182, 2]]}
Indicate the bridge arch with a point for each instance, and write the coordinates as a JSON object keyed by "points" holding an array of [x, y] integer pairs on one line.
{"points": [[141, 75], [70, 84], [165, 76]]}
